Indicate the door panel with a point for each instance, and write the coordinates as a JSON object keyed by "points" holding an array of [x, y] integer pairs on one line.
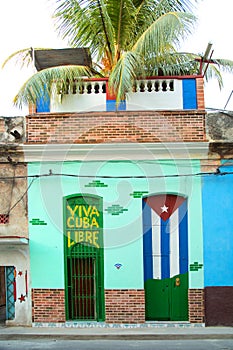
{"points": [[179, 298], [167, 299], [157, 299]]}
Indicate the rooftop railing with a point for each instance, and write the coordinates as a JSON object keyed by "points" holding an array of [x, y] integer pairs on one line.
{"points": [[166, 93]]}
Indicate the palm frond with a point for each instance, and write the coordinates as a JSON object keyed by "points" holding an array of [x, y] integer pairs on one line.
{"points": [[22, 58], [164, 33], [85, 23], [214, 72], [41, 84], [224, 65], [123, 75]]}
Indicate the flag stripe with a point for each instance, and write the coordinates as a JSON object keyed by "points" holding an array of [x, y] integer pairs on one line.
{"points": [[165, 243], [156, 245], [147, 242], [165, 249], [174, 244], [183, 238]]}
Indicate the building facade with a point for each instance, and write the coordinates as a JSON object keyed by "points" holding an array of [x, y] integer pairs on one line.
{"points": [[116, 221], [120, 208], [15, 299]]}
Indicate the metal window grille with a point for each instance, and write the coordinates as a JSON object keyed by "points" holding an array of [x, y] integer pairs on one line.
{"points": [[82, 273], [10, 292], [4, 218]]}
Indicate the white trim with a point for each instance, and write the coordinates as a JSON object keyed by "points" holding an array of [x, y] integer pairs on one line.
{"points": [[13, 240], [115, 151]]}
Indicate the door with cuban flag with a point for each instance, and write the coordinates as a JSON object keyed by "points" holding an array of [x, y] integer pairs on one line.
{"points": [[165, 253]]}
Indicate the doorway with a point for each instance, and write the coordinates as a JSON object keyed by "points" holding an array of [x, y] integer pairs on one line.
{"points": [[81, 284], [165, 252], [84, 258], [7, 293], [2, 295]]}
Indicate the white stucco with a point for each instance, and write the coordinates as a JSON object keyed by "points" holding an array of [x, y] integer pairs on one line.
{"points": [[154, 98]]}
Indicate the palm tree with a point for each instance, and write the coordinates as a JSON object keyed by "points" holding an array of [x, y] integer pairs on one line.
{"points": [[127, 39]]}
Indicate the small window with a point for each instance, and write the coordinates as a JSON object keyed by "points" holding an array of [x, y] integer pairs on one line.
{"points": [[4, 219]]}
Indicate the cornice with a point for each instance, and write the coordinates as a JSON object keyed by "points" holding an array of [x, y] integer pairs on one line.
{"points": [[114, 151]]}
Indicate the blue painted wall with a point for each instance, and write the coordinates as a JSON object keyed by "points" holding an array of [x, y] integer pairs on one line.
{"points": [[43, 104], [189, 94], [218, 229]]}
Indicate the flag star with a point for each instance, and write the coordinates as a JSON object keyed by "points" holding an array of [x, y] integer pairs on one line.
{"points": [[164, 209]]}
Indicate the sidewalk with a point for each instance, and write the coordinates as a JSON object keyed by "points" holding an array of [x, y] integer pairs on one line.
{"points": [[165, 332]]}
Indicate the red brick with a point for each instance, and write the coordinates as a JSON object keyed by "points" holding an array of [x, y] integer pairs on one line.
{"points": [[48, 305], [125, 306], [98, 127]]}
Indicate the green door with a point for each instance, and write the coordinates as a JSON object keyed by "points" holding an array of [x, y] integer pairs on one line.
{"points": [[157, 299], [84, 257], [179, 298], [167, 299]]}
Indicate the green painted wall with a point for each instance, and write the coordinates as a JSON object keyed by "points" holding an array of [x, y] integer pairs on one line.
{"points": [[122, 206]]}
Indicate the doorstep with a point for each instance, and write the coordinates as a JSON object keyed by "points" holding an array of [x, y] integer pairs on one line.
{"points": [[95, 324]]}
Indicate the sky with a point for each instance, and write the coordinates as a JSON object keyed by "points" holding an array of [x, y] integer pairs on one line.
{"points": [[28, 23]]}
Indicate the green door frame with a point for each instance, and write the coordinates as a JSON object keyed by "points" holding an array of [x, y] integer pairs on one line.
{"points": [[83, 239]]}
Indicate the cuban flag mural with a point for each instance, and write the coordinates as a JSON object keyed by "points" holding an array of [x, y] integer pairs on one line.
{"points": [[165, 253], [165, 239]]}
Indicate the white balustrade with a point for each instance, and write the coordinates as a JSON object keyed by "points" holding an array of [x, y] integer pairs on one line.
{"points": [[147, 94], [155, 94]]}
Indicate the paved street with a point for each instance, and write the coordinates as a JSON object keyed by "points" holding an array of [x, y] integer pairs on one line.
{"points": [[36, 344]]}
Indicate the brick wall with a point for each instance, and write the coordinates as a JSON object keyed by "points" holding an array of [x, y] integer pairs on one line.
{"points": [[121, 305], [196, 305], [48, 305], [200, 93], [124, 306], [130, 126]]}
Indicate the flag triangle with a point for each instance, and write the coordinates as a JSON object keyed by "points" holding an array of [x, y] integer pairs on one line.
{"points": [[164, 204]]}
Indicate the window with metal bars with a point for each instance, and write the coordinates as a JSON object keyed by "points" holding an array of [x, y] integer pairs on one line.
{"points": [[81, 284]]}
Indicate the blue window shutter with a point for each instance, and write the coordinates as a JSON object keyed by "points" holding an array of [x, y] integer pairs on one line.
{"points": [[189, 94], [43, 104]]}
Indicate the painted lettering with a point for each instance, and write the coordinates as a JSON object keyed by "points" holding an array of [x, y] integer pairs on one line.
{"points": [[85, 218], [72, 212], [84, 222], [91, 237], [82, 211], [70, 222], [94, 211], [86, 211], [94, 223]]}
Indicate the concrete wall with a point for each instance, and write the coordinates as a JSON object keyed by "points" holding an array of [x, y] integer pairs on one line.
{"points": [[18, 257]]}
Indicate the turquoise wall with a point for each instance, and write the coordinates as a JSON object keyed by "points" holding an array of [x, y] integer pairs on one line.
{"points": [[122, 209]]}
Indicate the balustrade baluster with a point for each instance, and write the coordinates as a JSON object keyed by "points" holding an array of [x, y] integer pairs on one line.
{"points": [[100, 87], [159, 85], [164, 86], [137, 86], [89, 87], [96, 88], [85, 90], [171, 85]]}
